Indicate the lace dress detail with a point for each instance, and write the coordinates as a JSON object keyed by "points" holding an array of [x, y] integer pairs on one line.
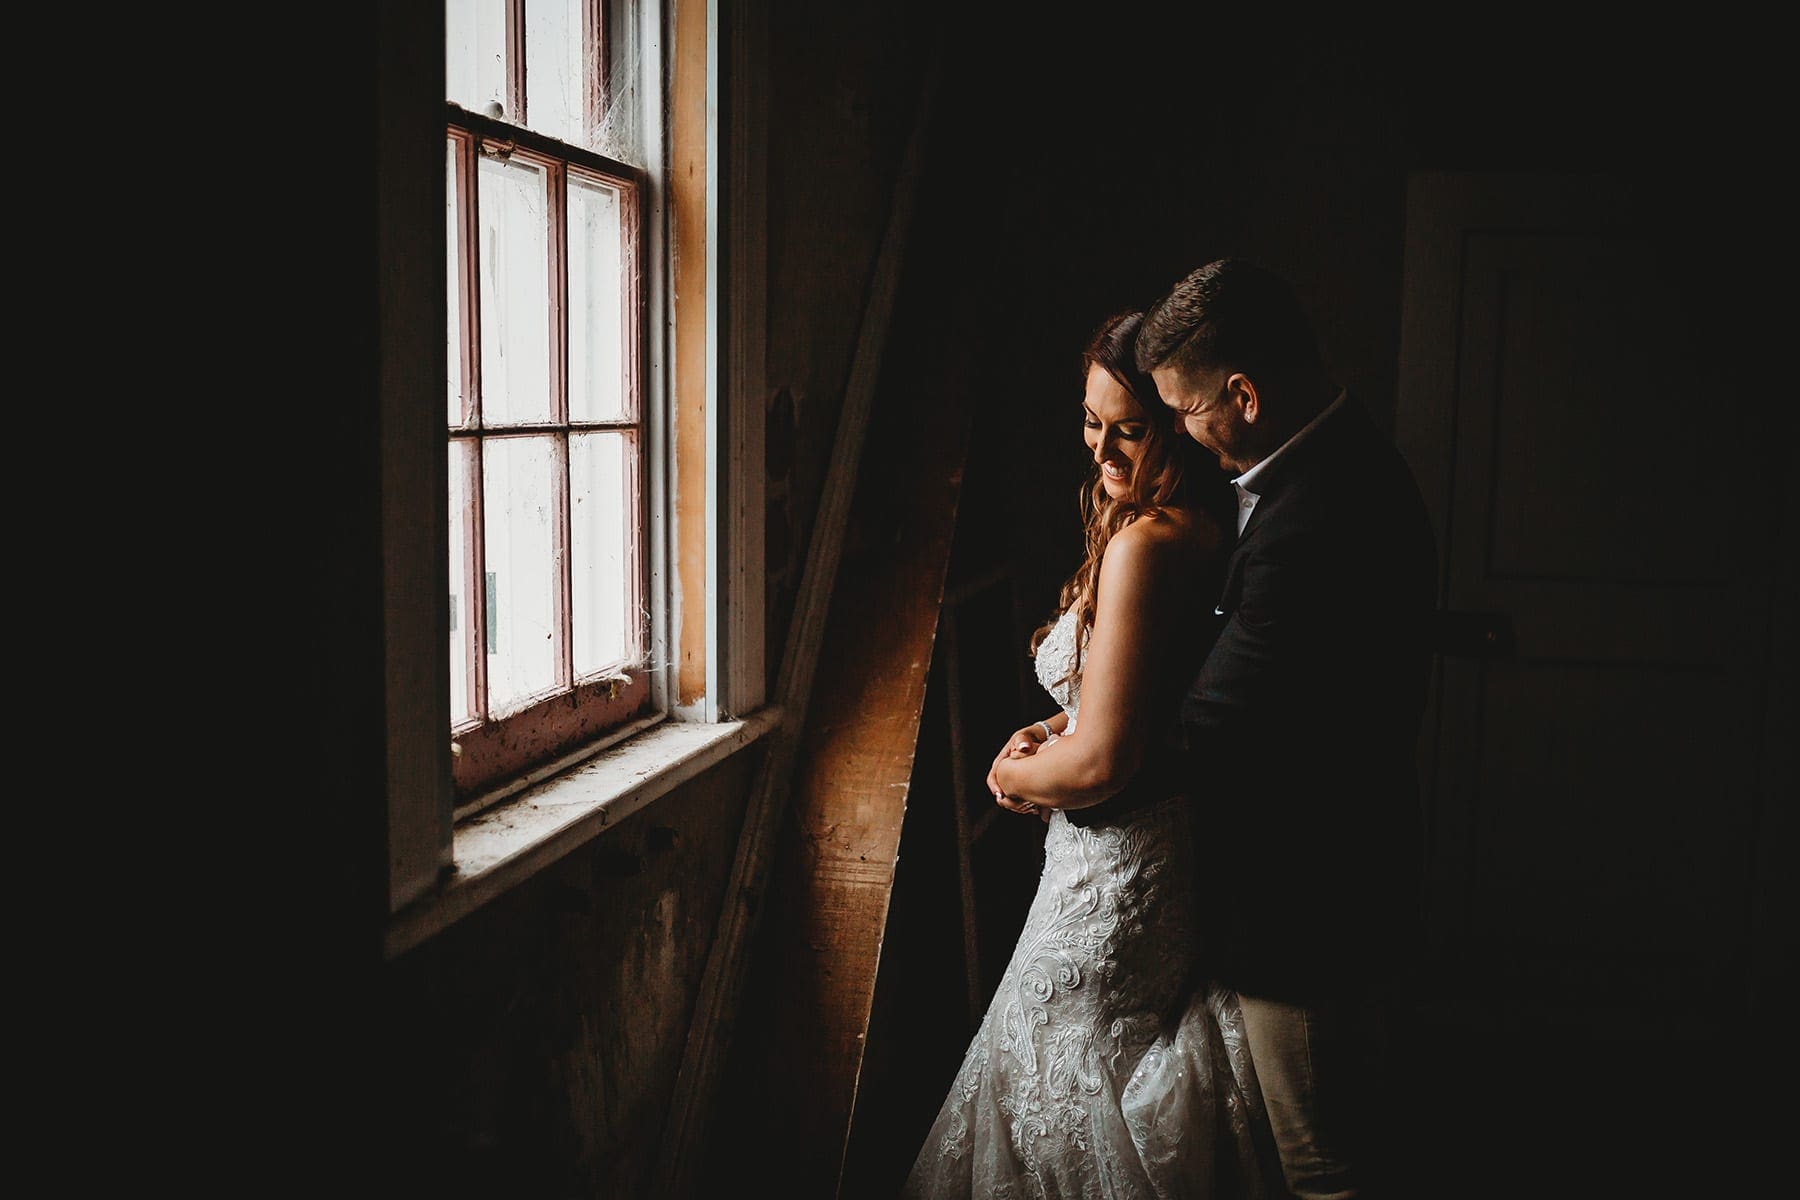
{"points": [[1055, 663], [1105, 1066]]}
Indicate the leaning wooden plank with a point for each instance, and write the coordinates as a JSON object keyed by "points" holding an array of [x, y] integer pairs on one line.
{"points": [[682, 1154], [812, 980]]}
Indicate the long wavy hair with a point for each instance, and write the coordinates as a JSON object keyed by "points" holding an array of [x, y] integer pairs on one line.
{"points": [[1162, 478]]}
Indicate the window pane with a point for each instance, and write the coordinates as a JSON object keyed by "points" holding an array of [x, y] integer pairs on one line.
{"points": [[602, 515], [597, 360], [553, 74], [519, 476], [462, 628], [515, 292], [453, 244], [475, 55]]}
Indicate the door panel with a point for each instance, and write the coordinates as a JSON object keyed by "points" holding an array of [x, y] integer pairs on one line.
{"points": [[1602, 821], [1593, 796]]}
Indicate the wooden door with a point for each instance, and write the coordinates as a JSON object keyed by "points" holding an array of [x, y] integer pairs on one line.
{"points": [[1597, 757]]}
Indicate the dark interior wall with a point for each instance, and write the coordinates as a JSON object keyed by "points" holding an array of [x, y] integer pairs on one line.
{"points": [[1098, 162], [532, 1049], [843, 83]]}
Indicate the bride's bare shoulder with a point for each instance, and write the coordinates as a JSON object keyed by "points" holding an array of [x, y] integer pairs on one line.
{"points": [[1176, 531], [1169, 552]]}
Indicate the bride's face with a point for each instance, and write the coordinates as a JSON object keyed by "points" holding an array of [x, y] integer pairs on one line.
{"points": [[1114, 426]]}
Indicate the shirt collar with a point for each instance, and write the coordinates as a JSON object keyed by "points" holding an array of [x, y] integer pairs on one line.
{"points": [[1247, 481]]}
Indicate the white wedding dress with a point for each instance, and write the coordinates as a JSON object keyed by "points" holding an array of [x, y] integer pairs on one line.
{"points": [[1105, 1066]]}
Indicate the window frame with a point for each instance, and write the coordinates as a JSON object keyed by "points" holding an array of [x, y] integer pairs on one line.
{"points": [[703, 479], [490, 751]]}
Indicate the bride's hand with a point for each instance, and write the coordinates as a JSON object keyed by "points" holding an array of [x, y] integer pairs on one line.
{"points": [[1020, 745], [1025, 742], [1014, 804]]}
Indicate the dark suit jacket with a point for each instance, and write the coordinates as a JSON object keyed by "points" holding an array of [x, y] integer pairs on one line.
{"points": [[1301, 727]]}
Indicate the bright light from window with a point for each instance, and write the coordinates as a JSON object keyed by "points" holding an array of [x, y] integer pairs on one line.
{"points": [[515, 292], [597, 359], [462, 617], [475, 54], [554, 75], [522, 582], [602, 511]]}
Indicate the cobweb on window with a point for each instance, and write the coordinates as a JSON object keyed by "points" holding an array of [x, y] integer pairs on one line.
{"points": [[618, 127]]}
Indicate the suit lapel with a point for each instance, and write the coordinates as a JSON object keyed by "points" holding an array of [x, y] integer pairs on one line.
{"points": [[1297, 461], [1331, 437]]}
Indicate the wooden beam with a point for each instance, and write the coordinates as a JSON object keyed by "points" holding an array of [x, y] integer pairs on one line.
{"points": [[746, 214], [818, 957], [682, 1154], [959, 801]]}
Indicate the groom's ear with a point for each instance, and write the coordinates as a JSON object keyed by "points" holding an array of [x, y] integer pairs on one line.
{"points": [[1240, 390]]}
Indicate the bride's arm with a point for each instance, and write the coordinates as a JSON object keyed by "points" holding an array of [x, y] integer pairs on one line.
{"points": [[1134, 603]]}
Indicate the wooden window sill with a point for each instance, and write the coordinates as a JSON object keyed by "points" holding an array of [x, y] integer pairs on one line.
{"points": [[503, 845]]}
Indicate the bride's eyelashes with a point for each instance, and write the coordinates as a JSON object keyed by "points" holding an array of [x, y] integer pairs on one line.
{"points": [[1130, 432]]}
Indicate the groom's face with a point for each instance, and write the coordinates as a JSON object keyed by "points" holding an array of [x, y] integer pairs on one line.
{"points": [[1206, 408]]}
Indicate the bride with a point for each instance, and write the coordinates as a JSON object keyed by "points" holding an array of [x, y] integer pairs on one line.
{"points": [[1106, 1065]]}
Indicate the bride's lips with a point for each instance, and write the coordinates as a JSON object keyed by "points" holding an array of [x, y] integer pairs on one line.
{"points": [[1113, 471]]}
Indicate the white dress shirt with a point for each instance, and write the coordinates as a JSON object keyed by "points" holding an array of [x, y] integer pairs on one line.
{"points": [[1245, 483]]}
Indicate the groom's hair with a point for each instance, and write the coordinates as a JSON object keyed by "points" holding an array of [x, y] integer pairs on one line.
{"points": [[1230, 314]]}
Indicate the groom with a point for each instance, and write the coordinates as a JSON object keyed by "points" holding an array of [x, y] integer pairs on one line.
{"points": [[1302, 723]]}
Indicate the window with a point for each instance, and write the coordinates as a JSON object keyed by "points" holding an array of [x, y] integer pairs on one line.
{"points": [[549, 621], [546, 403], [570, 460]]}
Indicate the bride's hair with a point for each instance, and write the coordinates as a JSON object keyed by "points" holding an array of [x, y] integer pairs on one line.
{"points": [[1160, 479]]}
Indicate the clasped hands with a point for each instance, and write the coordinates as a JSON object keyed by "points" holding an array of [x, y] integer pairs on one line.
{"points": [[1023, 743]]}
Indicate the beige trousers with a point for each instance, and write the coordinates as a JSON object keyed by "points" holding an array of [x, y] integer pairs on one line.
{"points": [[1322, 1067]]}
